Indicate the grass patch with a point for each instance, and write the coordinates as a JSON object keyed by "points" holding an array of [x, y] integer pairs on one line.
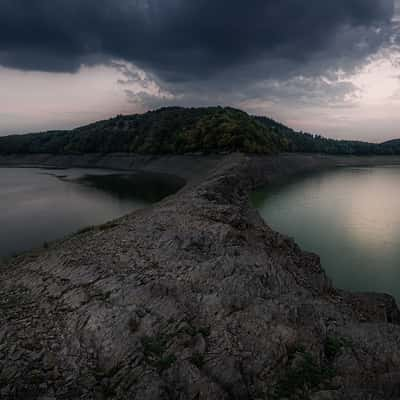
{"points": [[205, 331], [101, 228], [108, 225], [303, 376], [197, 359], [166, 362], [334, 346], [86, 229], [193, 331], [154, 349], [153, 346], [5, 260]]}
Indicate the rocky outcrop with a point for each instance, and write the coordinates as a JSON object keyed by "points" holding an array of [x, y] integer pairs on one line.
{"points": [[195, 298]]}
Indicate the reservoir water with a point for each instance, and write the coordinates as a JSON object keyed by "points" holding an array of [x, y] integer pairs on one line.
{"points": [[348, 216], [41, 205]]}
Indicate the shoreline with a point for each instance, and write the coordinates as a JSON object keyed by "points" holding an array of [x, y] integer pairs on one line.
{"points": [[185, 166], [196, 166], [194, 297]]}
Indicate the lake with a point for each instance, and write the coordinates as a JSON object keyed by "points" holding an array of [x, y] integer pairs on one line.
{"points": [[348, 216], [41, 205]]}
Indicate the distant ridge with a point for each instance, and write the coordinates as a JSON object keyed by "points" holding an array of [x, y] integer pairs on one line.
{"points": [[176, 130], [394, 142]]}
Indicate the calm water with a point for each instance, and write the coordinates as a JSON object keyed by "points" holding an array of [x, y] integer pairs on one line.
{"points": [[39, 205], [350, 217]]}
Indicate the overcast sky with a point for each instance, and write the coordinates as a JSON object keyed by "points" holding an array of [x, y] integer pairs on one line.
{"points": [[328, 67]]}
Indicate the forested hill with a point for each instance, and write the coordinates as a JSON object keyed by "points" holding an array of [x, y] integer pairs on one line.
{"points": [[167, 130], [392, 145], [177, 130], [300, 142]]}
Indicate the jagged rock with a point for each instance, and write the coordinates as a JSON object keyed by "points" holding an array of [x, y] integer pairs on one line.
{"points": [[195, 298]]}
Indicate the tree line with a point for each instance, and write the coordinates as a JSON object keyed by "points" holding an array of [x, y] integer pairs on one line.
{"points": [[176, 130]]}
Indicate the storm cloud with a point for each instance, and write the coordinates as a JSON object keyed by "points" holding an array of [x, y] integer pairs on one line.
{"points": [[193, 40], [328, 67]]}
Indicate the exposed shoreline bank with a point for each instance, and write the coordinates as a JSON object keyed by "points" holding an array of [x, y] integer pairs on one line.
{"points": [[185, 166], [195, 166], [195, 297]]}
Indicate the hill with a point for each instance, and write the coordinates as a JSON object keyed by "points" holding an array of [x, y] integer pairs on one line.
{"points": [[167, 130], [177, 130], [392, 145], [300, 142]]}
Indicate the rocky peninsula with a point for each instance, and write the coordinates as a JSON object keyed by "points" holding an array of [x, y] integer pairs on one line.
{"points": [[193, 298]]}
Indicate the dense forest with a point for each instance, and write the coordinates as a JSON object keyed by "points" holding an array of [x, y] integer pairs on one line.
{"points": [[301, 142], [177, 130]]}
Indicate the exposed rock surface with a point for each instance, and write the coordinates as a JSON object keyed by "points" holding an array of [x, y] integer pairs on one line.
{"points": [[195, 298]]}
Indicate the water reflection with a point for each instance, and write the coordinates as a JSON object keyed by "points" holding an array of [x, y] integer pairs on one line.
{"points": [[38, 206], [148, 187], [350, 217]]}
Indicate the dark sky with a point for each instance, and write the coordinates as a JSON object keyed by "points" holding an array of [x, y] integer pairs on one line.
{"points": [[313, 64]]}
